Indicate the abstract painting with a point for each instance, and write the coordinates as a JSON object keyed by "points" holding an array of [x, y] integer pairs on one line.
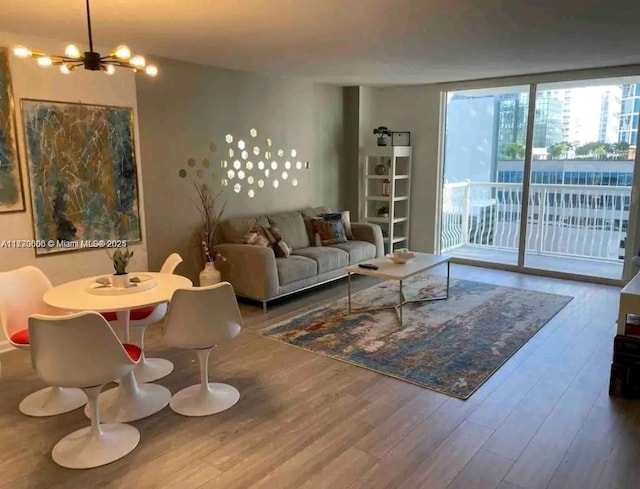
{"points": [[82, 171], [11, 196]]}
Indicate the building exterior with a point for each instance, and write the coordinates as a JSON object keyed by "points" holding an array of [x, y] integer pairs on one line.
{"points": [[611, 101], [629, 113]]}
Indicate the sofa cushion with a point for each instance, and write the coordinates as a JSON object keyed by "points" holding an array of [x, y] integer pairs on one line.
{"points": [[233, 230], [358, 250], [291, 225], [328, 230], [295, 268], [328, 258], [307, 214]]}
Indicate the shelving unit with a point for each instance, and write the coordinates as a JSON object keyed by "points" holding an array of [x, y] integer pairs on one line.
{"points": [[390, 191]]}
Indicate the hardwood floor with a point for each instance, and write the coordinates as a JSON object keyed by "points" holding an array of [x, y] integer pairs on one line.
{"points": [[544, 420]]}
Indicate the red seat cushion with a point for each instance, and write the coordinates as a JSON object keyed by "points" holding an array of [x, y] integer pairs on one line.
{"points": [[133, 351], [20, 337], [142, 313], [134, 315]]}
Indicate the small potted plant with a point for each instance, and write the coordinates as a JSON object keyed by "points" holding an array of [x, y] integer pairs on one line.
{"points": [[120, 261]]}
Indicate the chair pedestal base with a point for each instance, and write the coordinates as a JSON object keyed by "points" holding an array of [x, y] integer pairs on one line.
{"points": [[152, 369], [130, 401], [199, 401], [51, 401], [82, 449]]}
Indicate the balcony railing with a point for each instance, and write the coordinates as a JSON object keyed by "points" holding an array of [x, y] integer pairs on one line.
{"points": [[586, 221]]}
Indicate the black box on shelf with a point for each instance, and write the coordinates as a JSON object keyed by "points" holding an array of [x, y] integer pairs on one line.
{"points": [[632, 326], [625, 381], [629, 345]]}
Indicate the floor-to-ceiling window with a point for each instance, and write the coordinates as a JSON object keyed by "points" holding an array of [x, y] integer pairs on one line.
{"points": [[571, 175]]}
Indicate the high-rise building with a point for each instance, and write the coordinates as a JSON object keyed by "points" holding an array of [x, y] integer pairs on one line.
{"points": [[511, 110], [547, 129], [511, 122], [629, 114], [610, 103]]}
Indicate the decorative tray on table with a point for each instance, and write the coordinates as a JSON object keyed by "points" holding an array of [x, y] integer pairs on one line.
{"points": [[139, 282]]}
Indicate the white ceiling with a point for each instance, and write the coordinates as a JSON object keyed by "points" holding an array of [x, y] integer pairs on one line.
{"points": [[368, 42]]}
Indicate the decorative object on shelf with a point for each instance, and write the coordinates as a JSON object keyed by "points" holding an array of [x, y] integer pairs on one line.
{"points": [[402, 138], [383, 134], [91, 60], [383, 211], [120, 261], [381, 169], [11, 194], [386, 188], [82, 188]]}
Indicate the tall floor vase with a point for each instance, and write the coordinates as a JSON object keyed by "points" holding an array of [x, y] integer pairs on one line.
{"points": [[209, 274]]}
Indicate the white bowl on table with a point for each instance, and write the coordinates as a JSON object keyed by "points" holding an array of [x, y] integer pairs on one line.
{"points": [[400, 257]]}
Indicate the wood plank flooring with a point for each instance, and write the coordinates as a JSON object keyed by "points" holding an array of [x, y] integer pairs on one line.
{"points": [[544, 420]]}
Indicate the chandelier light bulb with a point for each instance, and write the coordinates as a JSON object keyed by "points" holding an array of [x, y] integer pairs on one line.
{"points": [[138, 61], [123, 52], [72, 51], [44, 61], [74, 57], [22, 52]]}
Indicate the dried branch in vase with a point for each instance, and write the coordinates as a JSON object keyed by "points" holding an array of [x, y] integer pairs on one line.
{"points": [[211, 210]]}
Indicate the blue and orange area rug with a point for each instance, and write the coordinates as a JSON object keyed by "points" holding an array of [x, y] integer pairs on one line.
{"points": [[452, 346]]}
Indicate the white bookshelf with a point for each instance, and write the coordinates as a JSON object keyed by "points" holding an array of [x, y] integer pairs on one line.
{"points": [[390, 191]]}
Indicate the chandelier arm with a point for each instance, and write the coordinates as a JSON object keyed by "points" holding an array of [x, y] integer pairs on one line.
{"points": [[89, 27]]}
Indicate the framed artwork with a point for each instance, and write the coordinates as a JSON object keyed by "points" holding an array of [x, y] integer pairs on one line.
{"points": [[82, 174], [11, 194]]}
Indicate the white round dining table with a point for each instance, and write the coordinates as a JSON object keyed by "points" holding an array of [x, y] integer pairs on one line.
{"points": [[129, 401]]}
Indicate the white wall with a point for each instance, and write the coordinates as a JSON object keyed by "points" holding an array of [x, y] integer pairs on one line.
{"points": [[415, 109], [190, 106], [31, 81]]}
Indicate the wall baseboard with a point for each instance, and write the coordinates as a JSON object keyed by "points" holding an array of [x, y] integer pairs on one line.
{"points": [[5, 346]]}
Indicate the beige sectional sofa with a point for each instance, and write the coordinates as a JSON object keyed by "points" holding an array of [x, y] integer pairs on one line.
{"points": [[256, 273]]}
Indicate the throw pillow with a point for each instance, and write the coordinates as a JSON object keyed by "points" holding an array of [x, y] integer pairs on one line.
{"points": [[345, 216], [256, 236], [280, 248], [329, 230]]}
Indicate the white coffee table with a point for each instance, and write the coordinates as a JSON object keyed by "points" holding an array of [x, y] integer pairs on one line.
{"points": [[388, 270]]}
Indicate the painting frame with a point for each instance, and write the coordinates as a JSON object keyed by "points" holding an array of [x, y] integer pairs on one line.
{"points": [[119, 165], [9, 138]]}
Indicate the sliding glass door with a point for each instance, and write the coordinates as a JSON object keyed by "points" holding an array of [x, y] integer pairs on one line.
{"points": [[484, 152], [580, 156]]}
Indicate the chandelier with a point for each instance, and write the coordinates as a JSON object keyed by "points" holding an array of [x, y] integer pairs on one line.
{"points": [[91, 60]]}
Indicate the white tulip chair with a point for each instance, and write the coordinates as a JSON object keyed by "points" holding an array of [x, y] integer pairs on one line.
{"points": [[21, 292], [200, 319], [149, 369], [82, 351]]}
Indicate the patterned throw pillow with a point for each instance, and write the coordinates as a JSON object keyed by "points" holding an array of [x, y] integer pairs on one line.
{"points": [[329, 230], [345, 216], [256, 236], [280, 248], [267, 236]]}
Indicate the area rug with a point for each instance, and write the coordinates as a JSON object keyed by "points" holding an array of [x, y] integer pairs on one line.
{"points": [[452, 346]]}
